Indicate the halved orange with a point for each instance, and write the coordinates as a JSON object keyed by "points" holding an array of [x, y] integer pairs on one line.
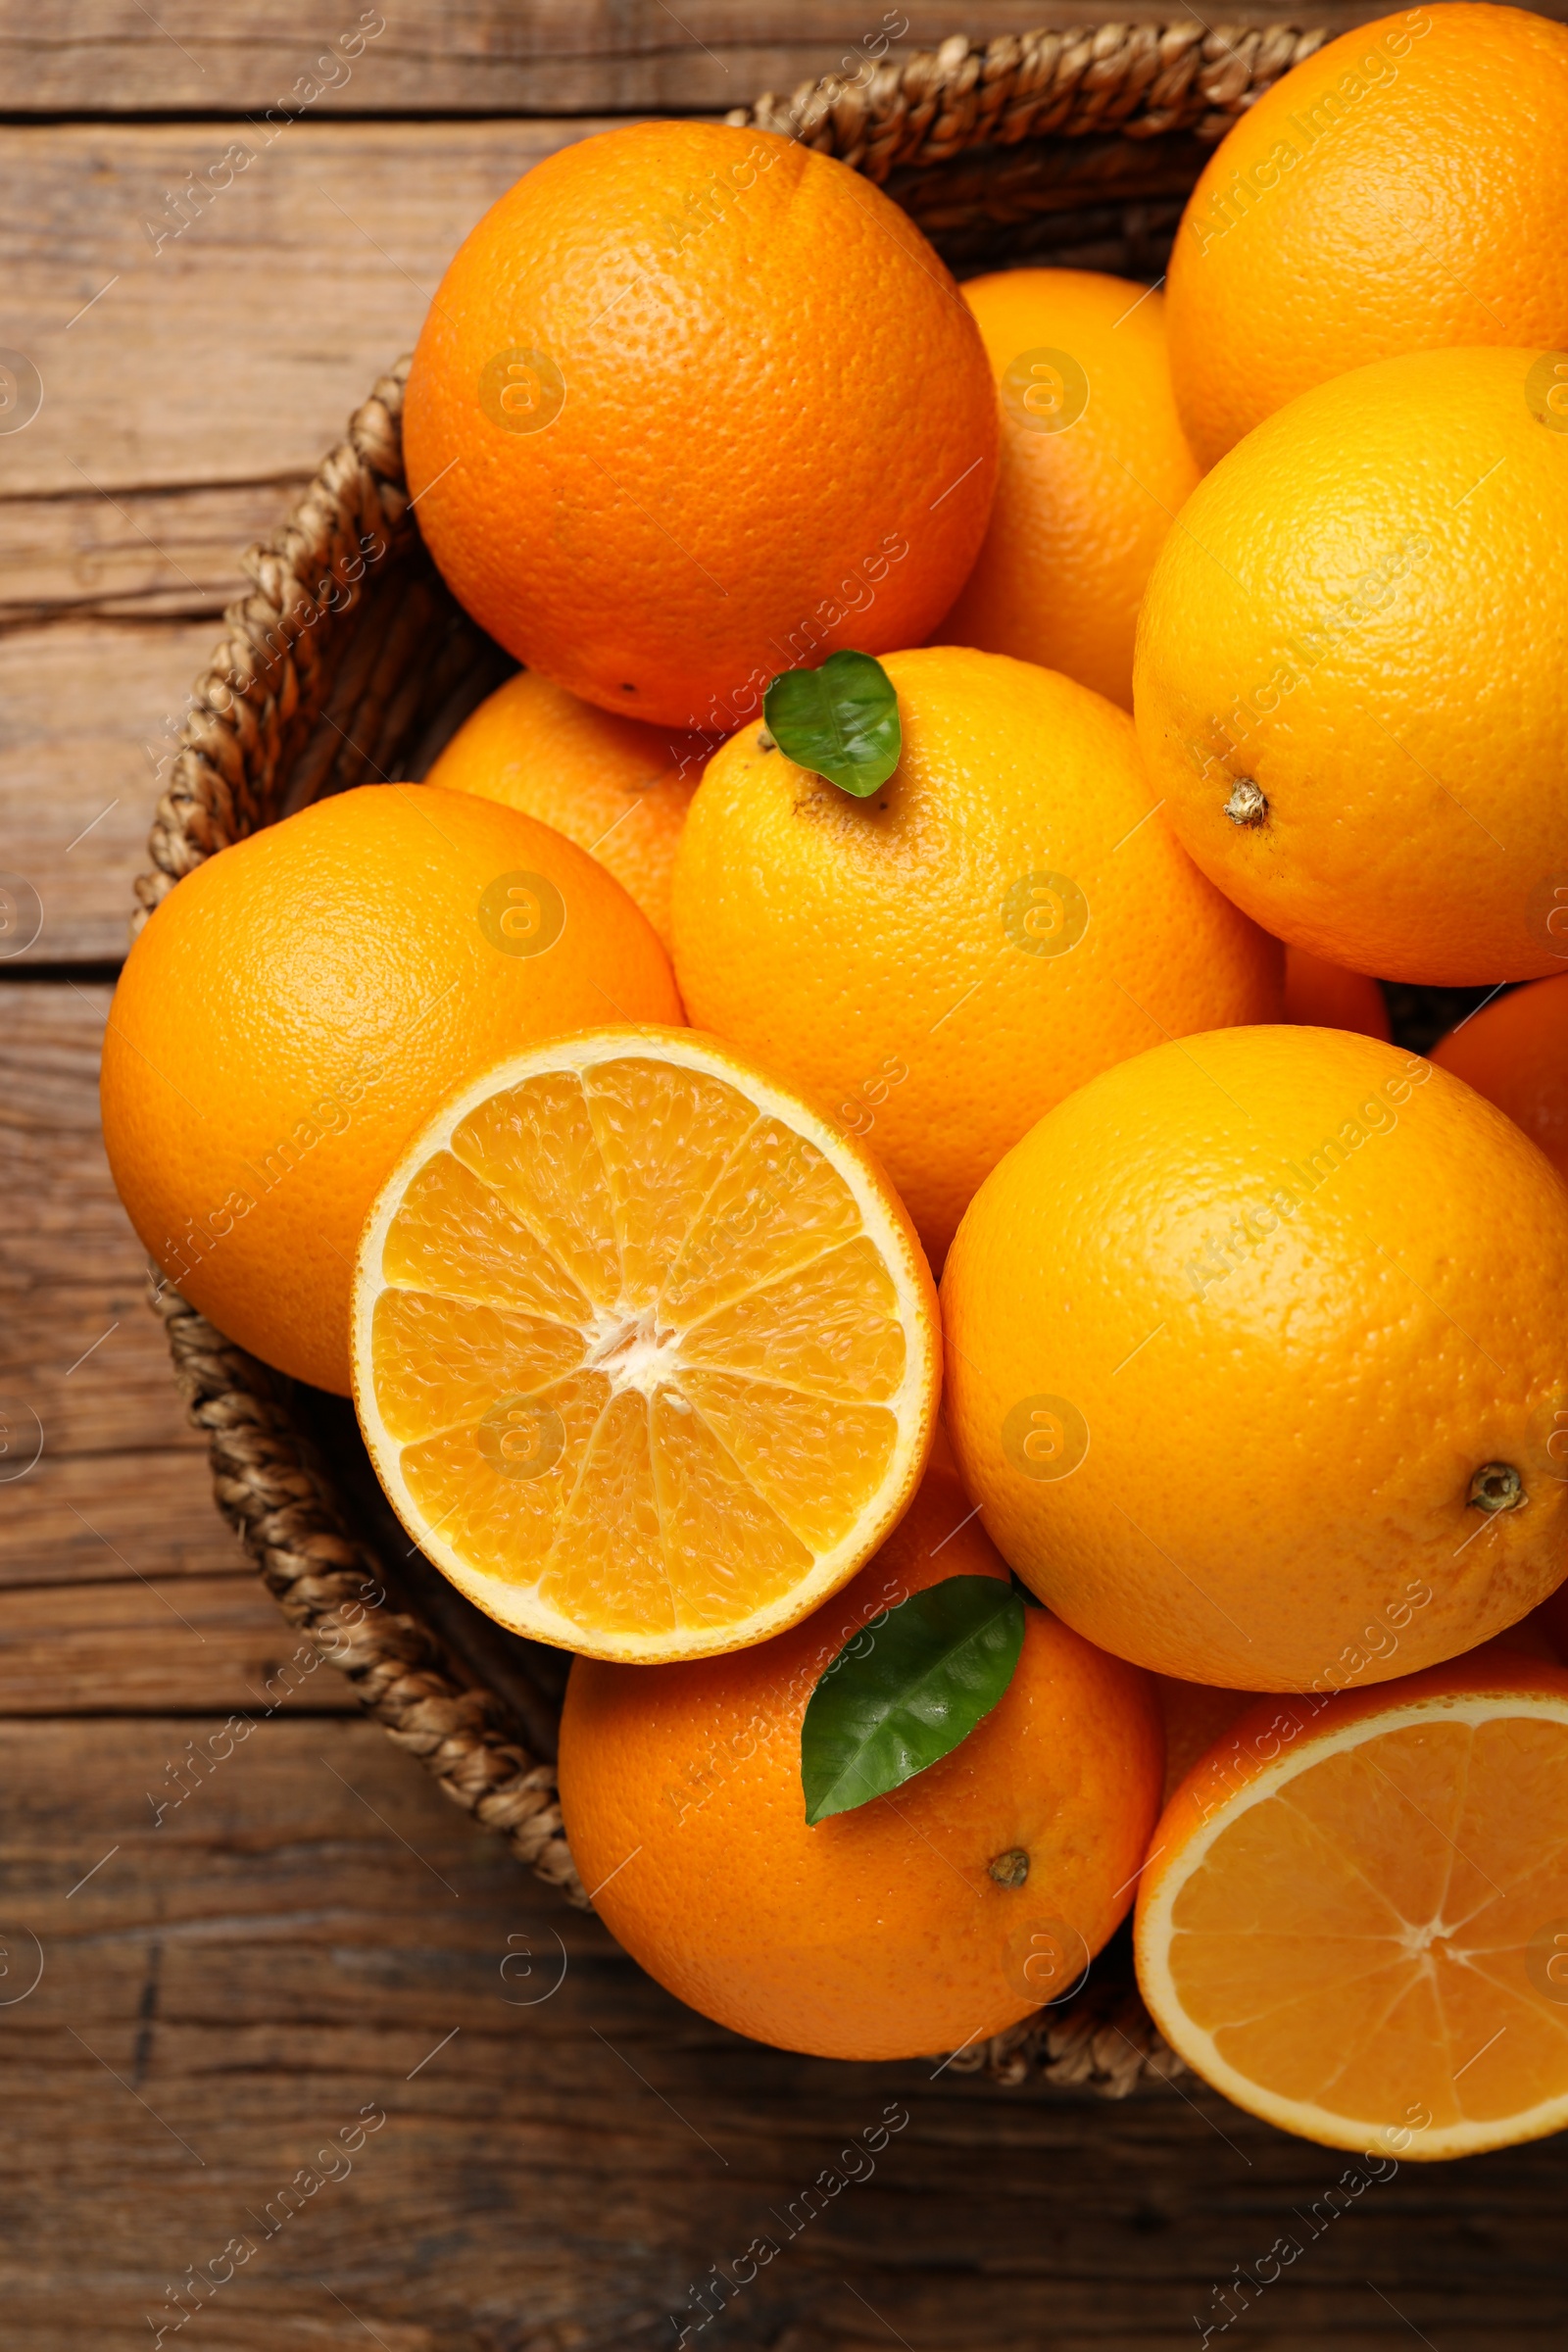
{"points": [[644, 1351], [1354, 1918]]}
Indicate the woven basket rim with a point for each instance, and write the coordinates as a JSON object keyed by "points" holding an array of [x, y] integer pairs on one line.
{"points": [[299, 648]]}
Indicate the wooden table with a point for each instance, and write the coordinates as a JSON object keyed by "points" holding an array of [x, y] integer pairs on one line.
{"points": [[305, 1949]]}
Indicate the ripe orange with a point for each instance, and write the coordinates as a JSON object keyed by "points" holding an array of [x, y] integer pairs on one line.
{"points": [[1325, 996], [297, 1004], [1402, 191], [1354, 1918], [1256, 1356], [925, 1920], [1515, 1051], [940, 963], [645, 1354], [694, 405], [616, 787], [1352, 671], [1094, 468]]}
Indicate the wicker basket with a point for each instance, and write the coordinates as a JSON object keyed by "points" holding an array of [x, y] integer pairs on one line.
{"points": [[349, 663]]}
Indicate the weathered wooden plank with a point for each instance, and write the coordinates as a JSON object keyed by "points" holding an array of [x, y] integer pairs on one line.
{"points": [[119, 1490], [77, 1343], [312, 1937], [141, 554], [94, 1366], [80, 1519], [130, 1646], [232, 352], [49, 1045], [89, 710], [487, 57]]}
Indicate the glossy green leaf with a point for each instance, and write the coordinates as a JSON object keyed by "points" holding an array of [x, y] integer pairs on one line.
{"points": [[841, 722], [907, 1689]]}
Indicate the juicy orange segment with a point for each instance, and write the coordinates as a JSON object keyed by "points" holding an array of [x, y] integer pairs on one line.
{"points": [[644, 1351], [1354, 1921]]}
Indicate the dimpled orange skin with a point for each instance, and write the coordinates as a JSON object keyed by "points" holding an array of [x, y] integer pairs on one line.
{"points": [[616, 787], [1428, 214], [880, 1933], [1260, 1306], [887, 954], [1365, 616], [298, 1006], [1325, 996], [778, 435], [1081, 507], [1515, 1053]]}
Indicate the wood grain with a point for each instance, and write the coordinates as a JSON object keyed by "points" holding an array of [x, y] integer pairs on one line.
{"points": [[487, 57], [127, 1645], [120, 1589], [90, 711], [135, 554], [69, 1520], [120, 1489]]}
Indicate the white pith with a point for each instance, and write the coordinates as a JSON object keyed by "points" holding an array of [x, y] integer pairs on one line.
{"points": [[632, 1351], [635, 1352], [1194, 2044]]}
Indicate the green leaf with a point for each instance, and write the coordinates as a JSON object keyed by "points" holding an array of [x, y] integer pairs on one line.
{"points": [[842, 721], [906, 1689]]}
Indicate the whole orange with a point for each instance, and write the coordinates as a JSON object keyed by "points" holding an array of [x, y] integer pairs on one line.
{"points": [[299, 1005], [1403, 190], [1351, 678], [694, 405], [1515, 1051], [923, 1920], [1094, 468], [938, 964], [1256, 1358], [616, 787], [1325, 996]]}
